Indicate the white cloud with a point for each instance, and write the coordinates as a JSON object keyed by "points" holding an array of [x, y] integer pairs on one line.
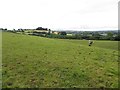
{"points": [[59, 14]]}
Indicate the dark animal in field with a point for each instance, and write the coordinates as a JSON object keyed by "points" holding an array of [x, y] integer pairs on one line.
{"points": [[90, 42]]}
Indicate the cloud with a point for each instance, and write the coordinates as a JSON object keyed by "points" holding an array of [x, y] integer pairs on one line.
{"points": [[58, 13]]}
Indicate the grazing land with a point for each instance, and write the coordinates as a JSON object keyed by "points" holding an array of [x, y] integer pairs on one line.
{"points": [[33, 62]]}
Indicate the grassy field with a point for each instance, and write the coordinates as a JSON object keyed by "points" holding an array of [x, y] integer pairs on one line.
{"points": [[31, 61], [98, 43]]}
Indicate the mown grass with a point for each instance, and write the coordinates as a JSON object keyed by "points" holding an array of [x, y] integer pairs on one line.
{"points": [[98, 43], [30, 61]]}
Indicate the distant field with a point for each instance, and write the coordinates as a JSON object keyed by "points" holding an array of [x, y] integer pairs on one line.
{"points": [[98, 43], [31, 61]]}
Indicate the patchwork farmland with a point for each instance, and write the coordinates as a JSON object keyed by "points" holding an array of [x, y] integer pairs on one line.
{"points": [[37, 62]]}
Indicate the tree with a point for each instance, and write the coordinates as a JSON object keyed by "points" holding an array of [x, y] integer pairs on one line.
{"points": [[117, 37], [40, 28], [49, 32], [5, 29], [96, 36], [63, 33], [110, 35], [78, 36]]}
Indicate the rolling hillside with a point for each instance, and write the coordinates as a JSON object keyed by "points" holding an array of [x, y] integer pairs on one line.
{"points": [[31, 61]]}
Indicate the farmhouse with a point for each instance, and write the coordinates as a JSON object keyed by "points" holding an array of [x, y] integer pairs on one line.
{"points": [[103, 34], [69, 34], [55, 32]]}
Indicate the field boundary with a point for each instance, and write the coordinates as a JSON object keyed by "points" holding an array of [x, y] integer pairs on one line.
{"points": [[0, 59]]}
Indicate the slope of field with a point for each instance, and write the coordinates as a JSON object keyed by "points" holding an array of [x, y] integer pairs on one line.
{"points": [[30, 61], [98, 43]]}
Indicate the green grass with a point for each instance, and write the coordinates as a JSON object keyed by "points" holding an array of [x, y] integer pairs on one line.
{"points": [[31, 61], [98, 43]]}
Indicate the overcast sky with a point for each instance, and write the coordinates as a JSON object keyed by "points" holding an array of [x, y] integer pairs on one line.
{"points": [[59, 14]]}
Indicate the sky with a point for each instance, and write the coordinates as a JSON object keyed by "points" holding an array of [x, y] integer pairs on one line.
{"points": [[59, 14]]}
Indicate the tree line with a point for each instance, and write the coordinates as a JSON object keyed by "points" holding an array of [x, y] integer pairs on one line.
{"points": [[84, 35], [95, 36]]}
